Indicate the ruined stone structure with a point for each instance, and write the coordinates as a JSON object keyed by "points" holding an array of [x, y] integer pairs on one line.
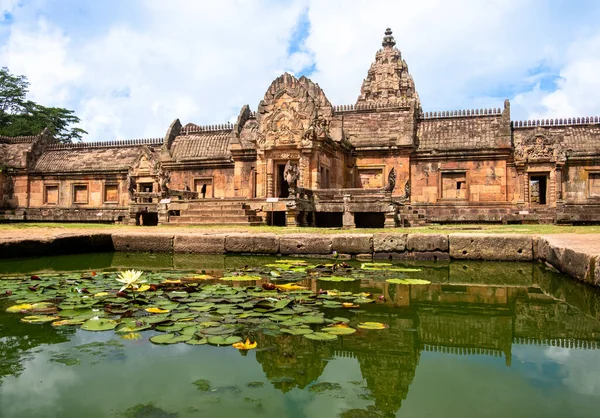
{"points": [[298, 160]]}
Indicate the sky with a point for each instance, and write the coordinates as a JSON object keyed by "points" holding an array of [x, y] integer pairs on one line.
{"points": [[128, 68]]}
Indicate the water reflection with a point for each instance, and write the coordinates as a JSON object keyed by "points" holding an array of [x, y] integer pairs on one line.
{"points": [[472, 313]]}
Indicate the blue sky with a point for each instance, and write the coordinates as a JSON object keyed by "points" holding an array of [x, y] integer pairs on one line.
{"points": [[129, 67]]}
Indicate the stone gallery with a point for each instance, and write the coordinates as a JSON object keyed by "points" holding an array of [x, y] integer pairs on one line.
{"points": [[299, 160]]}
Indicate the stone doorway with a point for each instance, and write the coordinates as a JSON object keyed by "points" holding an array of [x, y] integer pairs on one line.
{"points": [[538, 189], [282, 188], [204, 187]]}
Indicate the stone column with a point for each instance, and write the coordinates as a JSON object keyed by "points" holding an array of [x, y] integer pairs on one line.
{"points": [[304, 218], [291, 215], [347, 217], [163, 213]]}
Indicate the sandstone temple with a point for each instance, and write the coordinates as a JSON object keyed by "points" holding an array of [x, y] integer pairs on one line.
{"points": [[299, 160]]}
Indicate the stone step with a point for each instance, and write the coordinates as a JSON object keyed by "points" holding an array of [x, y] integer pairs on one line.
{"points": [[217, 212], [214, 219], [187, 222]]}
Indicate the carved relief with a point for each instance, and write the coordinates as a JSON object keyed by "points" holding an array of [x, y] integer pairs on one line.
{"points": [[294, 112], [540, 147], [291, 174]]}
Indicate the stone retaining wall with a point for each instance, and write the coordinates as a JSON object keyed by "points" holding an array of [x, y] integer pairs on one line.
{"points": [[580, 260]]}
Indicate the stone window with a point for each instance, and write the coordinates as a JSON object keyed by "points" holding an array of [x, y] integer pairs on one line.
{"points": [[111, 193], [454, 185], [80, 193], [594, 184], [51, 194]]}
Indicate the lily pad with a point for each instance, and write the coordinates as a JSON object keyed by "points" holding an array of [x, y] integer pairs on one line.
{"points": [[297, 331], [321, 336], [372, 325], [337, 279], [39, 319], [218, 340], [99, 324], [67, 322], [408, 281], [339, 330], [242, 278]]}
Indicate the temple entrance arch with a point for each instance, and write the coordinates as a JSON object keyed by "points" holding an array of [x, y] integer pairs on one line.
{"points": [[282, 188]]}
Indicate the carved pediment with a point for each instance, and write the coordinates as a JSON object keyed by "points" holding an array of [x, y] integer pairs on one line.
{"points": [[540, 147], [293, 113]]}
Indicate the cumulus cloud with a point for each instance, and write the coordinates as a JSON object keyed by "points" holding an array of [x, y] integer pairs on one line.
{"points": [[131, 72]]}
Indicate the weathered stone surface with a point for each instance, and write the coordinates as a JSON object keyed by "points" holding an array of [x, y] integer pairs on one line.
{"points": [[427, 242], [414, 255], [389, 243], [305, 244], [577, 256], [63, 244], [131, 241], [352, 243], [255, 244], [491, 247], [499, 273], [200, 244]]}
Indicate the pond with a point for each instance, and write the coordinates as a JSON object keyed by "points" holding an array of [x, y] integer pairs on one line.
{"points": [[333, 338]]}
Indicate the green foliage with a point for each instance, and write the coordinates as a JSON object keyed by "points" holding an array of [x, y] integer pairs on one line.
{"points": [[19, 116]]}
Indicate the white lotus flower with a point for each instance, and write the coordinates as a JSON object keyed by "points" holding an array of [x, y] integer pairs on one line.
{"points": [[131, 278]]}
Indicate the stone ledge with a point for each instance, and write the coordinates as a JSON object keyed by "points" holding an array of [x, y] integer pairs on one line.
{"points": [[61, 244], [141, 242], [199, 244], [305, 244], [252, 244], [352, 243], [427, 242], [499, 247], [581, 263], [389, 243], [414, 256]]}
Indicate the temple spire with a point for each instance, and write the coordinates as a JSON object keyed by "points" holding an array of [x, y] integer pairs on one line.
{"points": [[388, 39]]}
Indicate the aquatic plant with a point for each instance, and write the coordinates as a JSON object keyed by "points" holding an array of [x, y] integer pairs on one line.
{"points": [[130, 279]]}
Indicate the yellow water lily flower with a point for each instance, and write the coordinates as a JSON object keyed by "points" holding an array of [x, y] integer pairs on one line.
{"points": [[332, 293], [168, 281], [130, 278], [289, 286], [101, 294], [245, 346], [20, 308], [156, 310], [349, 305]]}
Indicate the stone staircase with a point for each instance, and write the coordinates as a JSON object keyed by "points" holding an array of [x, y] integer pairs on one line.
{"points": [[217, 213]]}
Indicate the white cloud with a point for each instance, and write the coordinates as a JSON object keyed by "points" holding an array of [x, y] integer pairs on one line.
{"points": [[202, 61]]}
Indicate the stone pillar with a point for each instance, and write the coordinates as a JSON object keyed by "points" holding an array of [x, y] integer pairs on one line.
{"points": [[269, 184], [291, 216], [347, 217], [163, 213], [390, 215], [304, 218]]}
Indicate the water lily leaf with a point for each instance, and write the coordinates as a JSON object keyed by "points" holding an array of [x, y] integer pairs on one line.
{"points": [[155, 319], [282, 303], [275, 273], [170, 328], [386, 267], [156, 310], [241, 278], [372, 325], [332, 304], [207, 324], [408, 281], [312, 319], [24, 307], [321, 336], [39, 319], [222, 330], [201, 341], [99, 324], [217, 340], [297, 331], [341, 319], [363, 300], [67, 322], [170, 338], [369, 265], [336, 279], [339, 330], [183, 316]]}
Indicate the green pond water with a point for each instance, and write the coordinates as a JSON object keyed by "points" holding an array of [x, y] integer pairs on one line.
{"points": [[480, 340]]}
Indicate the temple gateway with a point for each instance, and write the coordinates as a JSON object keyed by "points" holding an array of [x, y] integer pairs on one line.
{"points": [[298, 160]]}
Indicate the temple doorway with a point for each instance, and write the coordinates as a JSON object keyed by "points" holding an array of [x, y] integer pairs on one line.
{"points": [[282, 186], [538, 189], [204, 187]]}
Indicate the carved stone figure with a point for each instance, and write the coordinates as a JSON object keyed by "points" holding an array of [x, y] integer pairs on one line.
{"points": [[131, 186], [407, 190], [290, 174], [164, 177], [391, 184]]}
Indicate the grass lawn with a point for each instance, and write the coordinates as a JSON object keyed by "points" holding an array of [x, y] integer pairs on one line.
{"points": [[446, 229]]}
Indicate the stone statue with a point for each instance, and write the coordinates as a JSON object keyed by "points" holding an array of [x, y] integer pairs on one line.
{"points": [[164, 177], [131, 186], [407, 190], [290, 174], [391, 184]]}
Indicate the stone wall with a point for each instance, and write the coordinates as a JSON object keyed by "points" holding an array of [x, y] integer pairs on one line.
{"points": [[85, 191], [379, 127], [222, 179]]}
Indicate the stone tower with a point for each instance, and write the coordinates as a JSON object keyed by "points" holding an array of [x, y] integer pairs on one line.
{"points": [[388, 81]]}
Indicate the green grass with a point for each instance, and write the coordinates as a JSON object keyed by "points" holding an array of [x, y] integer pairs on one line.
{"points": [[445, 229]]}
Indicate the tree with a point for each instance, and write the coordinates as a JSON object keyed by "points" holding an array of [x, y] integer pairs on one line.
{"points": [[19, 116]]}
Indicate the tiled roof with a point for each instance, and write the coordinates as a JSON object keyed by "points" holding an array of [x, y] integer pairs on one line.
{"points": [[201, 145], [88, 159]]}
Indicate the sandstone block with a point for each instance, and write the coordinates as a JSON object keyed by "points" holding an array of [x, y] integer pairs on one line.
{"points": [[131, 241], [389, 243], [305, 244], [597, 271], [352, 243], [427, 242], [199, 244], [255, 244], [77, 244], [491, 247], [414, 256]]}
